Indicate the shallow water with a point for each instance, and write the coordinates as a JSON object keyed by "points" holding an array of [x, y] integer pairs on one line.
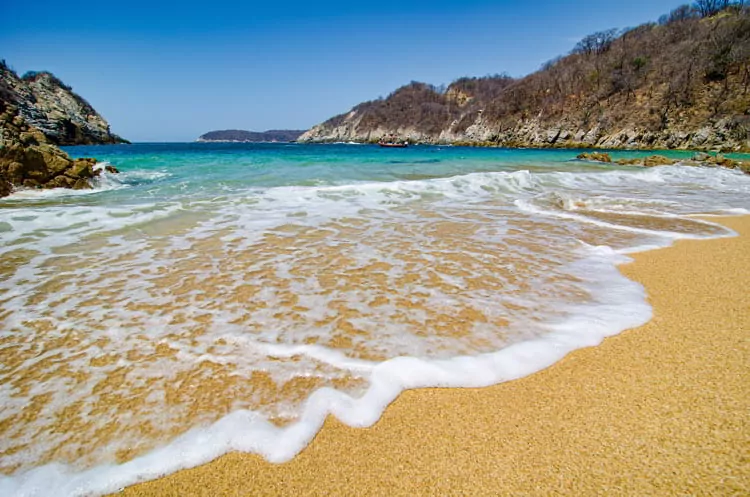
{"points": [[240, 292]]}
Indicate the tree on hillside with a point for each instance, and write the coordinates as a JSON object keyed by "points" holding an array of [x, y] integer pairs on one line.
{"points": [[710, 7], [681, 13], [596, 43]]}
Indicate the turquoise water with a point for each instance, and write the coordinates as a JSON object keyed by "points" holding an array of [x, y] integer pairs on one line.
{"points": [[202, 168], [239, 293]]}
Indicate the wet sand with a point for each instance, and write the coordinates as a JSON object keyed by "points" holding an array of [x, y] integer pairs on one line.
{"points": [[663, 409]]}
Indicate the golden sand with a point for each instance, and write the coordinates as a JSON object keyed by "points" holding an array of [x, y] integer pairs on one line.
{"points": [[659, 410]]}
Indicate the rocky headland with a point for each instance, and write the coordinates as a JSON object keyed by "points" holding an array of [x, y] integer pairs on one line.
{"points": [[239, 135], [28, 159], [38, 113], [51, 106], [681, 83]]}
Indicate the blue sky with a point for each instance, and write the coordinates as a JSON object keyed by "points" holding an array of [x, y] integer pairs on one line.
{"points": [[170, 71]]}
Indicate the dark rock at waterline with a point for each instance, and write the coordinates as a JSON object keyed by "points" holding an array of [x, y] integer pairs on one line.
{"points": [[650, 161], [595, 157], [699, 159], [657, 160]]}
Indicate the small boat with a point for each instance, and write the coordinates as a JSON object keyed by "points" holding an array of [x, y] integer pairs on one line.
{"points": [[393, 145]]}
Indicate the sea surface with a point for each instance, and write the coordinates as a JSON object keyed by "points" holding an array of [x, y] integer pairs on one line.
{"points": [[219, 297]]}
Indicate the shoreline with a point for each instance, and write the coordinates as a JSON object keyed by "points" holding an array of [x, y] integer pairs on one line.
{"points": [[657, 409], [534, 146]]}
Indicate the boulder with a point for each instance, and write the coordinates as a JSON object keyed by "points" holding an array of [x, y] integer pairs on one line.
{"points": [[657, 160], [630, 162], [61, 181], [701, 157], [81, 169], [82, 184], [595, 157], [5, 187]]}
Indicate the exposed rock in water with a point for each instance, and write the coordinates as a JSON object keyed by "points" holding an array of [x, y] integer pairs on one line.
{"points": [[721, 161], [650, 161], [595, 157], [52, 108], [657, 160], [699, 159], [28, 159]]}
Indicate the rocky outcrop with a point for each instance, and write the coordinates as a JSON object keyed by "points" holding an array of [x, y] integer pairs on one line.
{"points": [[595, 157], [699, 159], [682, 84], [28, 159], [51, 107]]}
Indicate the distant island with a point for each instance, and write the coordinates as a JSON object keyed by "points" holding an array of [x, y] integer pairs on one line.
{"points": [[239, 135], [680, 83]]}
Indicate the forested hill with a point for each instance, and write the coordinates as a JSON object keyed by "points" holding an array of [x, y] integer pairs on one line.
{"points": [[682, 82], [238, 135]]}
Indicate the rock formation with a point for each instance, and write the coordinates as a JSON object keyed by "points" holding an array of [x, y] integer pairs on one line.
{"points": [[50, 106], [37, 113], [683, 83], [699, 159], [28, 159]]}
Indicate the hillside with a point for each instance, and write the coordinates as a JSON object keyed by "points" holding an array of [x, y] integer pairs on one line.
{"points": [[680, 83], [49, 105], [238, 135]]}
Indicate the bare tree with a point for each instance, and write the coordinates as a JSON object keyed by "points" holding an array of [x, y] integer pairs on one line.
{"points": [[681, 13], [596, 43], [710, 7]]}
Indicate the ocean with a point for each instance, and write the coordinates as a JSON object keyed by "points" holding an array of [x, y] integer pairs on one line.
{"points": [[221, 296]]}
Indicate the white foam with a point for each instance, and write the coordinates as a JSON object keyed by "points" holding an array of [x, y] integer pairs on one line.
{"points": [[386, 213], [620, 305]]}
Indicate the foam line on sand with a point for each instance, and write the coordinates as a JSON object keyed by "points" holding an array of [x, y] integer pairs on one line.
{"points": [[658, 410]]}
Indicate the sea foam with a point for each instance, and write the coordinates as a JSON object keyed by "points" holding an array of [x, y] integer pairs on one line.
{"points": [[368, 288]]}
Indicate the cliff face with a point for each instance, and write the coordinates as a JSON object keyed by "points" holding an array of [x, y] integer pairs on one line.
{"points": [[683, 83], [47, 104]]}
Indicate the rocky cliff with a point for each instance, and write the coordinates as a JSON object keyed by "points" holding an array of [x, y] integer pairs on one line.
{"points": [[28, 159], [682, 83], [50, 106], [37, 113]]}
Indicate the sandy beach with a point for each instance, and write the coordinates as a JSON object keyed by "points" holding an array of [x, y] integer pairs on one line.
{"points": [[657, 410]]}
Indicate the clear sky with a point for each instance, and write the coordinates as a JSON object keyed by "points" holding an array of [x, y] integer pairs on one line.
{"points": [[170, 71]]}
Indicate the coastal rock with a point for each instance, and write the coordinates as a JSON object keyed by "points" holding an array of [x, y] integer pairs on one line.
{"points": [[5, 186], [630, 162], [595, 157], [701, 157], [27, 159], [657, 160]]}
